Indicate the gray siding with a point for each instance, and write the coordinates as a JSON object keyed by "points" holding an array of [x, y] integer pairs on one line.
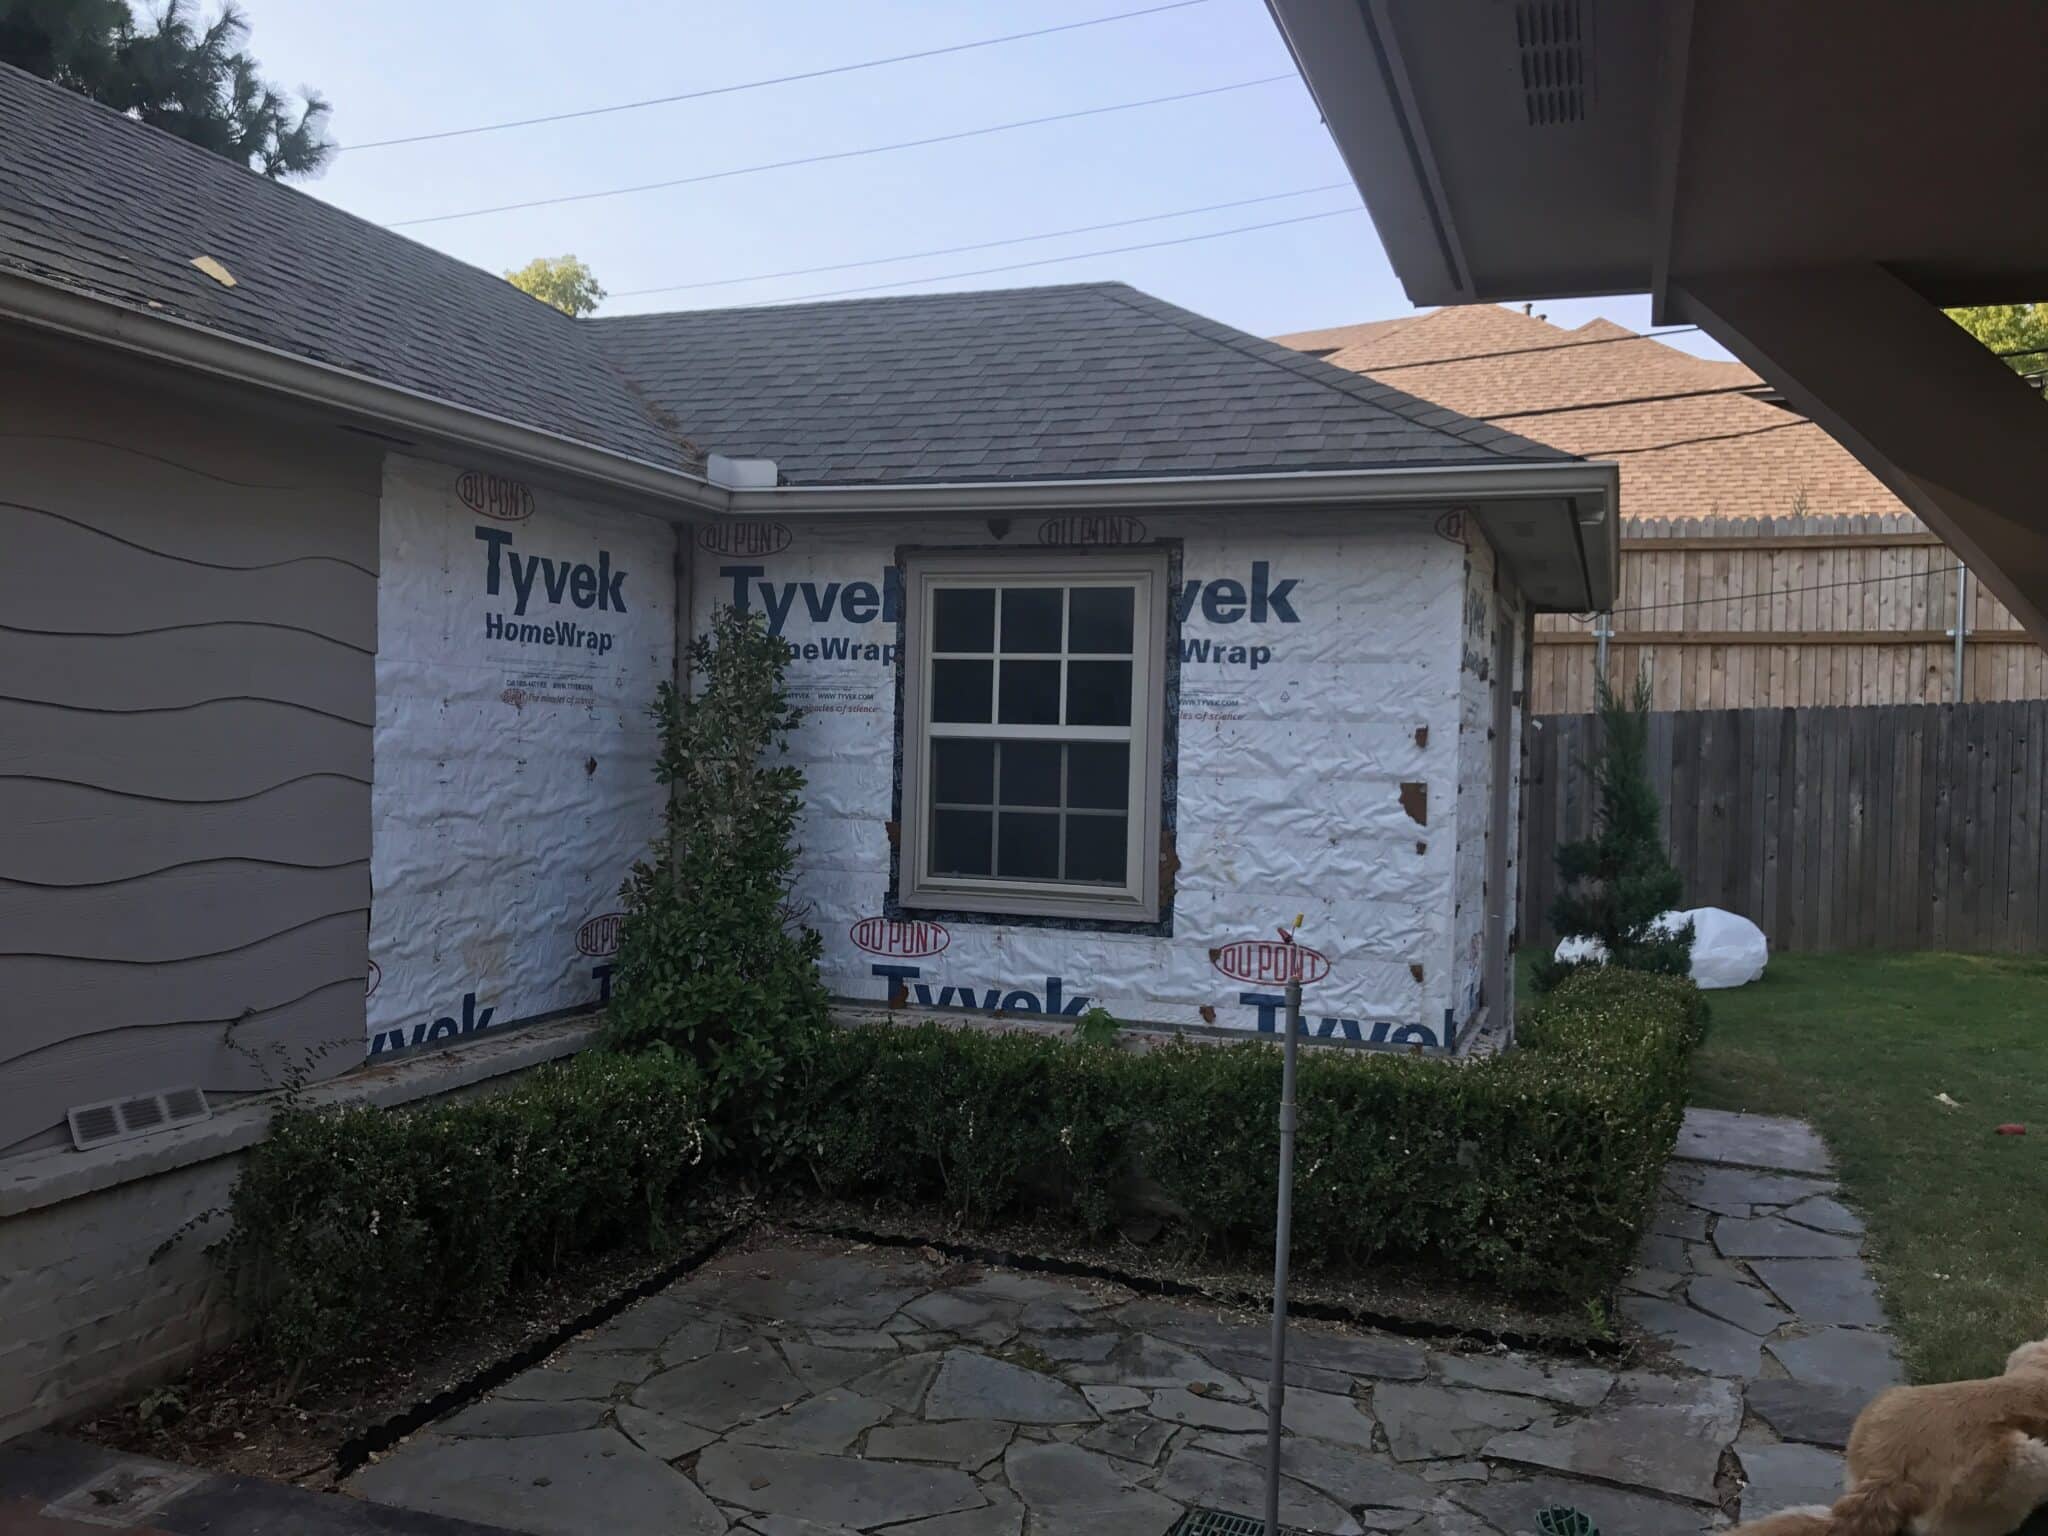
{"points": [[188, 614]]}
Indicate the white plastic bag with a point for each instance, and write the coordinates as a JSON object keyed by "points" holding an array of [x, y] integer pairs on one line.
{"points": [[1728, 950]]}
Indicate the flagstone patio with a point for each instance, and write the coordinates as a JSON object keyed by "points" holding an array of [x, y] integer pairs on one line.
{"points": [[814, 1387]]}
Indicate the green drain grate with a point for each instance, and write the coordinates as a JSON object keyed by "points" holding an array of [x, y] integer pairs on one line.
{"points": [[1217, 1522]]}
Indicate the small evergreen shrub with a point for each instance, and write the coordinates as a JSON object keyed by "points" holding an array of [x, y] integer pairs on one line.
{"points": [[1530, 1173], [1614, 885], [712, 966], [354, 1231]]}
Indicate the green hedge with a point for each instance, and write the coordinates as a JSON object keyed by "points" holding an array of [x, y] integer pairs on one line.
{"points": [[355, 1230], [1529, 1173]]}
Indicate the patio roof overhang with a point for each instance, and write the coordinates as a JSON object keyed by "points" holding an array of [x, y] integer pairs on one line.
{"points": [[1810, 184]]}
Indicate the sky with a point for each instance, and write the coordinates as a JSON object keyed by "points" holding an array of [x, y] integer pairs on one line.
{"points": [[400, 67]]}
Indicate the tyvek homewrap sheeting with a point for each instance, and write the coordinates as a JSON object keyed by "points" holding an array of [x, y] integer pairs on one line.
{"points": [[1317, 712], [521, 637]]}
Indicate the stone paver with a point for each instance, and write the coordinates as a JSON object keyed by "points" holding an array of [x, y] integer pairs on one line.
{"points": [[862, 1494], [1804, 1411], [971, 1385], [1836, 1292], [813, 1388], [1751, 1141], [1781, 1476], [1069, 1489], [1840, 1357], [546, 1484]]}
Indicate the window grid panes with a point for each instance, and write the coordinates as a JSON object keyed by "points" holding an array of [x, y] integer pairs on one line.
{"points": [[1033, 704]]}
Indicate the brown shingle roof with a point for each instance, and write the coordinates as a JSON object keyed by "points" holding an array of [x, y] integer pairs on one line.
{"points": [[1794, 467]]}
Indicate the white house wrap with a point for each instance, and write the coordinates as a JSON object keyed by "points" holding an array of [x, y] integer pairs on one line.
{"points": [[520, 638], [1317, 679]]}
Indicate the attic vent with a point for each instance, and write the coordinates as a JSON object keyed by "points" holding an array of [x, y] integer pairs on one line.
{"points": [[1552, 37], [117, 1119]]}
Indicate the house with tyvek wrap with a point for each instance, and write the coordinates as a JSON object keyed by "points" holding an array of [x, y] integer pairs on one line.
{"points": [[340, 576]]}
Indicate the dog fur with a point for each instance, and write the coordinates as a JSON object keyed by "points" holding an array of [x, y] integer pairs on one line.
{"points": [[1966, 1458]]}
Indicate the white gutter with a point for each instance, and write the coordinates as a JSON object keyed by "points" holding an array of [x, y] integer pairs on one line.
{"points": [[166, 338]]}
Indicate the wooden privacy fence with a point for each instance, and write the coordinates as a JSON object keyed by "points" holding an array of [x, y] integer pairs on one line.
{"points": [[1890, 827]]}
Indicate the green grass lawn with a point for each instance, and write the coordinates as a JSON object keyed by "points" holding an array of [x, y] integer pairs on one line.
{"points": [[1861, 1045]]}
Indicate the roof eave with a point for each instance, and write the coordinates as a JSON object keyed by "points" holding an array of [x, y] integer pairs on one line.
{"points": [[66, 311]]}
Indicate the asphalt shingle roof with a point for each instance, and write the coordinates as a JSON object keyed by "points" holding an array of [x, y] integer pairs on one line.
{"points": [[1088, 380], [101, 203], [1091, 380], [1734, 456]]}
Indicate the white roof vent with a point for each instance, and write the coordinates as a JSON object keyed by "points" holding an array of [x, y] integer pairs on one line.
{"points": [[94, 1125], [741, 474]]}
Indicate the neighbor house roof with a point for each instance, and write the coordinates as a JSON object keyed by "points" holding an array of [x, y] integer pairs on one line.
{"points": [[1758, 459], [1093, 379], [97, 202]]}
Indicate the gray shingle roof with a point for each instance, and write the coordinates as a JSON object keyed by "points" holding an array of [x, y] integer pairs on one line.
{"points": [[98, 202], [1091, 379]]}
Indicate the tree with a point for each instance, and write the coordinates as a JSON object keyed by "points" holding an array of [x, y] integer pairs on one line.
{"points": [[2007, 328], [189, 80], [562, 281], [1614, 885]]}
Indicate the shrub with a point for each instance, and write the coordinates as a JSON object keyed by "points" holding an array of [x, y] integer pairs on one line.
{"points": [[1614, 885], [361, 1228], [711, 964], [1530, 1173]]}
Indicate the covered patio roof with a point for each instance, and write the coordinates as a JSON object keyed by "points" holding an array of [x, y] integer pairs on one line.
{"points": [[1811, 184]]}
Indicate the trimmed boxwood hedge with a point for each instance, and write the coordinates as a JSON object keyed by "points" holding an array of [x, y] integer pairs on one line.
{"points": [[1530, 1173], [355, 1230]]}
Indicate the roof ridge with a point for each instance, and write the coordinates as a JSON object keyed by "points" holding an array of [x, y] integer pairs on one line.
{"points": [[794, 305], [1359, 386]]}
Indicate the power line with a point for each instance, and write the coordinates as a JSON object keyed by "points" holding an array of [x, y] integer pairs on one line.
{"points": [[1686, 442], [1825, 586], [844, 154], [755, 85], [1047, 261], [1556, 346], [984, 245], [1601, 405]]}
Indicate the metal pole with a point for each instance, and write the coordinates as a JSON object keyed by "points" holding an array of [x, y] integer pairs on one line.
{"points": [[1603, 626], [1962, 629], [1283, 1226]]}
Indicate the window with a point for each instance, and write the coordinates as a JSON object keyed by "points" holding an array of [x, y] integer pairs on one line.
{"points": [[1032, 718]]}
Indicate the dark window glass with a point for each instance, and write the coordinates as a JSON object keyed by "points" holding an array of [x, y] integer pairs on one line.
{"points": [[1098, 775], [960, 691], [1031, 693], [963, 772], [964, 619], [1028, 845], [1098, 693], [1095, 848], [1031, 618], [1100, 620], [960, 843], [1031, 773]]}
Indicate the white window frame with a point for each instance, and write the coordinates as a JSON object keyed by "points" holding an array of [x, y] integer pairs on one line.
{"points": [[1145, 569]]}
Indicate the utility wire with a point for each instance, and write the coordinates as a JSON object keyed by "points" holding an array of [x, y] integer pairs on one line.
{"points": [[1601, 405], [844, 154], [755, 85], [984, 245], [1555, 346], [1745, 597], [1047, 261], [1686, 442]]}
